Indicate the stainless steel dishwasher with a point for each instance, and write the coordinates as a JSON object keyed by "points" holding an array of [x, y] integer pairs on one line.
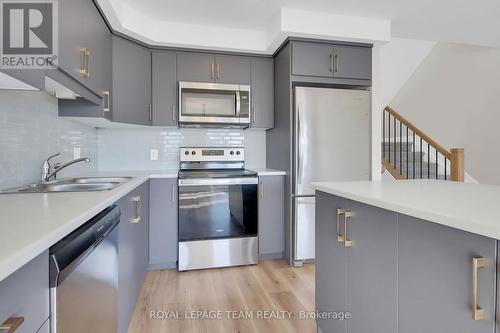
{"points": [[84, 277]]}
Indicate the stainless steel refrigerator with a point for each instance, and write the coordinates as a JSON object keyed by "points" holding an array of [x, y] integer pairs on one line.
{"points": [[331, 142]]}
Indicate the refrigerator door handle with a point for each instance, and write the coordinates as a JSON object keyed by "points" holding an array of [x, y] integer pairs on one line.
{"points": [[298, 157]]}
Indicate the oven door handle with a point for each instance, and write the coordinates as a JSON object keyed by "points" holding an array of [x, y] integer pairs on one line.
{"points": [[218, 181]]}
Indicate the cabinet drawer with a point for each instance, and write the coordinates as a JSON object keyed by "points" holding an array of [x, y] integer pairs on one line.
{"points": [[26, 294]]}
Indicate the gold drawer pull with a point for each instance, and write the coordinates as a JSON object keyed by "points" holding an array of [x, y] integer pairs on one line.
{"points": [[477, 311], [347, 242], [138, 209], [11, 324]]}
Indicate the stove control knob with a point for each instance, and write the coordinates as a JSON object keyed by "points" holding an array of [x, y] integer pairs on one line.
{"points": [[186, 153], [238, 152], [232, 152], [193, 153]]}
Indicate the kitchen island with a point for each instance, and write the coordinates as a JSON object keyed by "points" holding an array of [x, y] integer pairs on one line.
{"points": [[407, 256]]}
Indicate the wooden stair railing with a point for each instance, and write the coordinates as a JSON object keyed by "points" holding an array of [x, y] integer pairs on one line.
{"points": [[400, 157]]}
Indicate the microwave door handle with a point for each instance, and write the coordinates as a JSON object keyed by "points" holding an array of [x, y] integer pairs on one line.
{"points": [[238, 103]]}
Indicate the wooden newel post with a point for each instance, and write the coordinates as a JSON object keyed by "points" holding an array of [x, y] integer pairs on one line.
{"points": [[457, 164]]}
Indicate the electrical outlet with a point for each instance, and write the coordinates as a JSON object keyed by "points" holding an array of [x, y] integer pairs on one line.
{"points": [[153, 154], [77, 152]]}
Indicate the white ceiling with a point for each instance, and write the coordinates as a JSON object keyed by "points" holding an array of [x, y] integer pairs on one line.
{"points": [[461, 21]]}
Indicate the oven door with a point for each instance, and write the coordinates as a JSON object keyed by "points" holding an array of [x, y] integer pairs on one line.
{"points": [[214, 103], [217, 208]]}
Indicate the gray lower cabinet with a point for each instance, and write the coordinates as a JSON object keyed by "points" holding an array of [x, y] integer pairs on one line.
{"points": [[330, 263], [163, 235], [164, 89], [262, 92], [131, 98], [331, 60], [271, 217], [132, 251], [25, 294], [435, 278]]}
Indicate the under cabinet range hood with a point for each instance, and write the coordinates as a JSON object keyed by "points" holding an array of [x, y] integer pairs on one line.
{"points": [[214, 105]]}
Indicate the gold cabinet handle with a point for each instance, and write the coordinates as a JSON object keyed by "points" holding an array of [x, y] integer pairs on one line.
{"points": [[347, 242], [218, 72], [87, 64], [138, 209], [83, 61], [11, 324], [212, 72], [340, 212], [107, 102], [477, 311]]}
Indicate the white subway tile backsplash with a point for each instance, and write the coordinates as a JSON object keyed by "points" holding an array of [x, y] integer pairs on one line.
{"points": [[30, 130], [126, 149]]}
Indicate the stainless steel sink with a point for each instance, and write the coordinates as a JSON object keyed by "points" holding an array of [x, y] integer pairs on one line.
{"points": [[82, 184]]}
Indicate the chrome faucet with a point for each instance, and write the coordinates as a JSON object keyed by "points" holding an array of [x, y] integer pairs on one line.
{"points": [[49, 172]]}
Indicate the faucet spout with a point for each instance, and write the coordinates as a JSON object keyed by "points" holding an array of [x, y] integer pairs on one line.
{"points": [[58, 167]]}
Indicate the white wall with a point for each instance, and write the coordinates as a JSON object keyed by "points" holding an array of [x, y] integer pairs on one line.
{"points": [[454, 97], [393, 63], [129, 149], [30, 131]]}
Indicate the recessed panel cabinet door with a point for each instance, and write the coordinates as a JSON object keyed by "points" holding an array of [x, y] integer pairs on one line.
{"points": [[435, 278], [330, 263], [371, 268], [131, 98]]}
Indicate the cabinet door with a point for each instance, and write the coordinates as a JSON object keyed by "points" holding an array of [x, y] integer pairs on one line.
{"points": [[262, 92], [99, 44], [330, 263], [312, 59], [131, 97], [353, 62], [71, 37], [163, 237], [132, 252], [195, 67], [371, 284], [271, 217], [232, 69], [164, 88], [435, 278]]}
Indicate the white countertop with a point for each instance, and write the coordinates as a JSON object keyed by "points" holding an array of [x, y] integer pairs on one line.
{"points": [[31, 223], [471, 207], [267, 172]]}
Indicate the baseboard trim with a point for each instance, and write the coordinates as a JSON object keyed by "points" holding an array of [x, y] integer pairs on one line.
{"points": [[271, 256], [167, 265]]}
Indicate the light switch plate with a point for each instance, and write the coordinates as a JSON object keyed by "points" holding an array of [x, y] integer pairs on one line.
{"points": [[153, 154], [77, 152]]}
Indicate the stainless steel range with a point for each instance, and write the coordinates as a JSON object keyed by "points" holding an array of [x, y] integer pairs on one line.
{"points": [[217, 209]]}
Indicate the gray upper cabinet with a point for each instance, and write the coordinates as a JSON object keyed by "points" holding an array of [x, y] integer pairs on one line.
{"points": [[371, 269], [332, 61], [330, 263], [312, 59], [195, 67], [262, 91], [352, 62], [131, 98], [72, 37], [164, 76], [271, 220], [163, 235], [132, 251], [435, 278], [200, 67], [232, 69]]}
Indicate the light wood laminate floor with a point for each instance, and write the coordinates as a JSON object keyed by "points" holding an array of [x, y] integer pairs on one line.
{"points": [[249, 291]]}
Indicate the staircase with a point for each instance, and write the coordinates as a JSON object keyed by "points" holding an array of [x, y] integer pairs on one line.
{"points": [[408, 153]]}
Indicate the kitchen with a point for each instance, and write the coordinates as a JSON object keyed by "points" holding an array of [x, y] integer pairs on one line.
{"points": [[176, 188]]}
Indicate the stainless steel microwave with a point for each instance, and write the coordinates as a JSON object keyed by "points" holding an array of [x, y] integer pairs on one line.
{"points": [[214, 105]]}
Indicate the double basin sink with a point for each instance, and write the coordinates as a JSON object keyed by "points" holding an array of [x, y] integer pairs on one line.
{"points": [[82, 184]]}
